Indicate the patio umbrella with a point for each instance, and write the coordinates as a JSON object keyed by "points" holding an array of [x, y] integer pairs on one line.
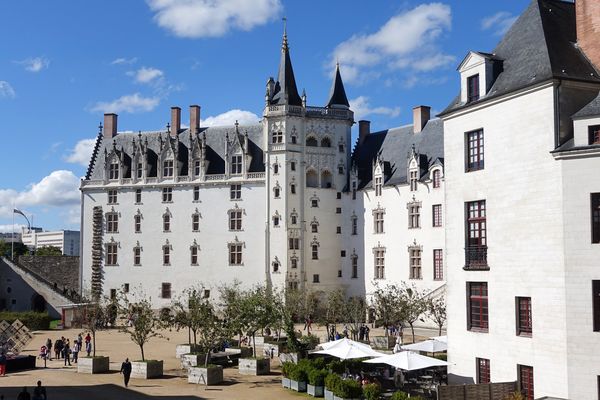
{"points": [[328, 345], [430, 346], [347, 349], [408, 361]]}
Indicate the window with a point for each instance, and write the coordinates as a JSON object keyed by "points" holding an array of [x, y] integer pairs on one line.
{"points": [[137, 255], [276, 192], [293, 188], [338, 210], [126, 288], [277, 137], [197, 168], [166, 223], [483, 370], [312, 178], [473, 88], [437, 178], [167, 195], [339, 273], [294, 219], [475, 159], [378, 182], [343, 253], [276, 220], [294, 139], [338, 195], [341, 169], [235, 192], [235, 254], [294, 243], [112, 197], [379, 263], [354, 225], [195, 222], [341, 148], [354, 266], [315, 278], [294, 263], [526, 381], [315, 251], [137, 223], [165, 291], [438, 264], [275, 265], [236, 165], [594, 134], [275, 169], [596, 305], [476, 246], [378, 221], [414, 215], [138, 196], [414, 254], [314, 203], [113, 295], [111, 253], [524, 324], [413, 180], [168, 168], [293, 165], [437, 215], [325, 142], [113, 171], [353, 190], [477, 306], [166, 255], [235, 220], [595, 202], [196, 193], [194, 255], [314, 227], [140, 170], [338, 229], [112, 222], [311, 141]]}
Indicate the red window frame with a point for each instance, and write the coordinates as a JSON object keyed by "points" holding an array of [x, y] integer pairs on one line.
{"points": [[436, 178], [595, 217], [483, 370], [478, 319], [594, 134], [475, 150], [526, 381], [476, 224], [524, 316], [437, 215], [438, 264], [473, 88]]}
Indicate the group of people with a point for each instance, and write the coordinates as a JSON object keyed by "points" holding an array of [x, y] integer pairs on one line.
{"points": [[39, 393], [363, 333], [63, 348]]}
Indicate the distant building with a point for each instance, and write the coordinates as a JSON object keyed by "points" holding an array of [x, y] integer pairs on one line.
{"points": [[66, 241], [9, 237]]}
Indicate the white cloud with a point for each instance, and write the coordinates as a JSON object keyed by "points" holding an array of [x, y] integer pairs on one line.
{"points": [[146, 74], [406, 41], [131, 103], [212, 18], [500, 22], [126, 61], [6, 90], [81, 153], [229, 118], [9, 228], [362, 107], [35, 64]]}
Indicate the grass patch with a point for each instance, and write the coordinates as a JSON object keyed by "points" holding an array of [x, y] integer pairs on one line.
{"points": [[54, 323]]}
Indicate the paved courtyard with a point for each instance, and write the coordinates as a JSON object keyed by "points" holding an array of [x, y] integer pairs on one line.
{"points": [[64, 383]]}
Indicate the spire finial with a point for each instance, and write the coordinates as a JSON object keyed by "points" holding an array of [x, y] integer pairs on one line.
{"points": [[284, 45]]}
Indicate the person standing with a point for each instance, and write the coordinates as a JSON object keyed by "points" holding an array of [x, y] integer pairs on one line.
{"points": [[66, 353], [126, 371], [24, 395], [39, 393], [49, 348], [76, 348], [88, 347], [57, 349], [2, 364]]}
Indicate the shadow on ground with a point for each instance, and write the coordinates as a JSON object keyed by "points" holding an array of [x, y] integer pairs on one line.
{"points": [[96, 392]]}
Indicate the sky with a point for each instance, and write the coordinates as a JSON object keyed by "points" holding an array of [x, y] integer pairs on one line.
{"points": [[64, 63]]}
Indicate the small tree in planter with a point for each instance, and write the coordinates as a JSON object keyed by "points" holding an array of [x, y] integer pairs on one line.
{"points": [[332, 383], [372, 391], [334, 309], [188, 313], [316, 382], [348, 389], [356, 309], [437, 311], [299, 377], [286, 369], [93, 316], [415, 304]]}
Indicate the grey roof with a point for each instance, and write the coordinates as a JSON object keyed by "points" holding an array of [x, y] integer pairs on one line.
{"points": [[592, 109], [215, 152], [285, 91], [395, 146], [541, 45], [337, 94]]}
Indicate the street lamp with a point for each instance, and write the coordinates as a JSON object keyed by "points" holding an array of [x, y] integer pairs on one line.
{"points": [[16, 211]]}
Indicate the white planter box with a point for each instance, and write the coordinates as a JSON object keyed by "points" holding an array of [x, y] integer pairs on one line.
{"points": [[289, 357], [92, 365], [342, 398], [146, 369], [191, 360], [383, 342], [182, 349], [328, 395], [285, 382], [315, 391], [253, 366], [298, 386], [207, 376], [271, 350]]}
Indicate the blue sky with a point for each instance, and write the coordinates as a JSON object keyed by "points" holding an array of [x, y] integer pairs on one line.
{"points": [[64, 63]]}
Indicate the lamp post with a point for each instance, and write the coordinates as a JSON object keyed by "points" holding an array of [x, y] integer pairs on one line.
{"points": [[17, 211]]}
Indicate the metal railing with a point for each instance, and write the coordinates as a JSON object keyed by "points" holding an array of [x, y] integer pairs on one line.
{"points": [[476, 258]]}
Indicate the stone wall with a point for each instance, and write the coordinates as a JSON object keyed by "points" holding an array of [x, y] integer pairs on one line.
{"points": [[60, 270]]}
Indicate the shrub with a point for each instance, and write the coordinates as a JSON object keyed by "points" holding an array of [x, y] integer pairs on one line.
{"points": [[299, 374], [33, 320], [337, 367], [333, 382], [309, 342], [399, 395], [372, 391], [349, 389], [441, 356], [286, 368], [515, 396], [318, 363], [316, 377]]}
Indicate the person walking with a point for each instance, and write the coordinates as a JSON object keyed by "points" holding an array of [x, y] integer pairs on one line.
{"points": [[2, 364], [39, 393], [76, 348], [88, 348], [57, 349], [24, 395], [49, 348], [126, 371], [66, 353]]}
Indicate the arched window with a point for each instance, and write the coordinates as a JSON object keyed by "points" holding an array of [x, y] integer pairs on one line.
{"points": [[312, 179], [326, 142], [326, 179], [312, 141]]}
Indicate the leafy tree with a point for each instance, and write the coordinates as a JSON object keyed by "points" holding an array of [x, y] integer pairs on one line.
{"points": [[436, 309], [415, 304], [48, 251], [257, 311], [389, 305], [187, 311], [356, 309], [6, 249], [231, 297], [334, 309], [94, 316]]}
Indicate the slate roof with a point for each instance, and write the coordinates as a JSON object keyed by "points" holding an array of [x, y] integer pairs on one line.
{"points": [[541, 45], [395, 146], [285, 91], [337, 94], [215, 152], [592, 109]]}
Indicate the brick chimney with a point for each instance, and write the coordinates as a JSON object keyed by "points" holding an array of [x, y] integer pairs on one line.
{"points": [[175, 121], [421, 114], [364, 129], [110, 126], [588, 29], [194, 118]]}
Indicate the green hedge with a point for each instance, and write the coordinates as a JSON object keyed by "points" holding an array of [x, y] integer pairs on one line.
{"points": [[316, 377], [32, 320], [372, 391]]}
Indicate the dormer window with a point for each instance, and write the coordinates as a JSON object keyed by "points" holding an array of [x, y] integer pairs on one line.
{"points": [[478, 72], [113, 171], [594, 135], [236, 165], [473, 88], [413, 181], [197, 168], [140, 170], [437, 178], [378, 184], [168, 168]]}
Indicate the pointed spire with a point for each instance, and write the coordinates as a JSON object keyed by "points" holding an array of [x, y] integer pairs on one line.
{"points": [[337, 94], [285, 91]]}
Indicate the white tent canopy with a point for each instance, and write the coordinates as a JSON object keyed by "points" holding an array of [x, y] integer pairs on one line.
{"points": [[430, 346], [346, 349], [408, 361]]}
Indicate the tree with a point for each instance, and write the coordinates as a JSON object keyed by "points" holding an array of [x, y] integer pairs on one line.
{"points": [[7, 248], [231, 297], [388, 304], [257, 311], [187, 311], [48, 251], [95, 316], [414, 304], [356, 309], [436, 309], [334, 309]]}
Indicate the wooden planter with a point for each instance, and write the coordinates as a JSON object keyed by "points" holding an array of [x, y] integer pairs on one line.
{"points": [[285, 382], [328, 394], [208, 376], [298, 386], [146, 369], [315, 391], [254, 366], [182, 349], [92, 365]]}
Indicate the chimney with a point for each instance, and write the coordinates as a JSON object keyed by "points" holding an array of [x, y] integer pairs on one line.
{"points": [[364, 129], [175, 121], [588, 29], [194, 118], [110, 126], [421, 115]]}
